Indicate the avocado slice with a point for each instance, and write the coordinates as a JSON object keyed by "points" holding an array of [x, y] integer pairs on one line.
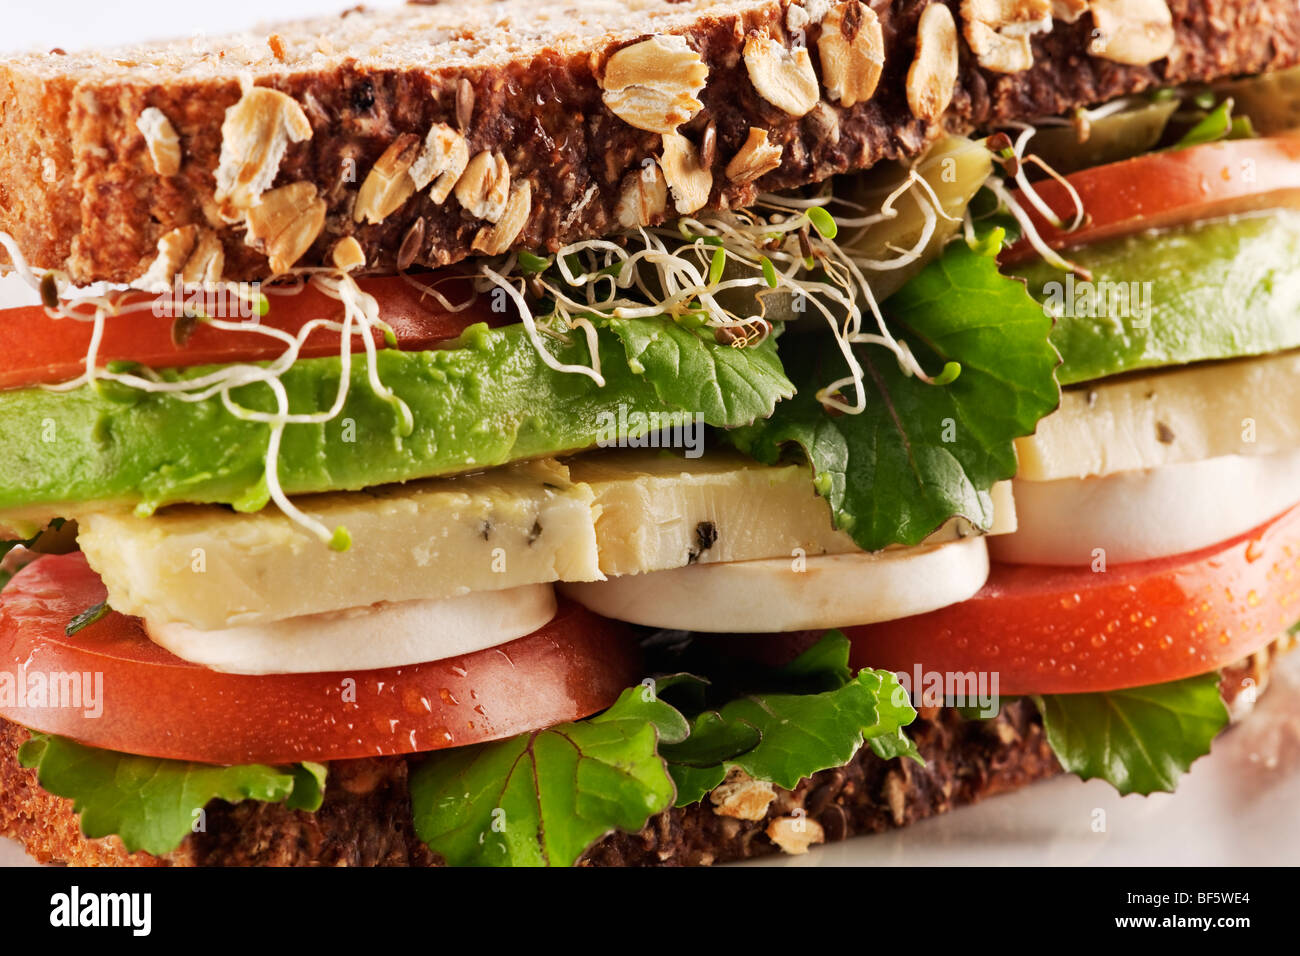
{"points": [[486, 400], [1222, 289]]}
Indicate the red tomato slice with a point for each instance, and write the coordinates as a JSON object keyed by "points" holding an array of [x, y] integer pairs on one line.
{"points": [[158, 705], [36, 349], [1049, 630], [1159, 190], [1057, 630]]}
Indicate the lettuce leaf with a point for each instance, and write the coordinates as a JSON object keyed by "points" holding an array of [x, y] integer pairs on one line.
{"points": [[921, 454], [726, 385], [152, 804], [1140, 740], [799, 734], [11, 567], [542, 798]]}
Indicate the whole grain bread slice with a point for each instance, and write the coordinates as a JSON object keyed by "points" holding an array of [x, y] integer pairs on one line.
{"points": [[160, 156], [366, 817]]}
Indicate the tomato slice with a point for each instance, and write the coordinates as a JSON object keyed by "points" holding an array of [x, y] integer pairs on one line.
{"points": [[156, 704], [36, 349], [1058, 630], [1159, 190], [1055, 630]]}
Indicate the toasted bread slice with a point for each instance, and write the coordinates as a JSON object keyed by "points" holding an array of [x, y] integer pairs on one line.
{"points": [[159, 156]]}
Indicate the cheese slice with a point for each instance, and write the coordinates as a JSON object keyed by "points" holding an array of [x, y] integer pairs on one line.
{"points": [[1153, 513], [1243, 407], [660, 510], [365, 638], [778, 594], [605, 513], [211, 568]]}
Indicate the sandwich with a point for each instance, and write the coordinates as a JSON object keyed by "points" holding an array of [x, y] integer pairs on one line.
{"points": [[639, 433]]}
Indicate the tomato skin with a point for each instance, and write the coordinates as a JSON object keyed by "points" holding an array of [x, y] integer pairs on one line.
{"points": [[155, 704], [1159, 190], [39, 350], [1056, 630]]}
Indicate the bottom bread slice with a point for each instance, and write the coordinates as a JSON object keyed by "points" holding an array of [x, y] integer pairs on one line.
{"points": [[365, 819]]}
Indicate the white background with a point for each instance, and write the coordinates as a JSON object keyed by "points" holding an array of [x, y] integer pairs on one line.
{"points": [[27, 25], [1238, 806]]}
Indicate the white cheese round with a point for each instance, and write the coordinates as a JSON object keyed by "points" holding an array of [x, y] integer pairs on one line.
{"points": [[792, 594], [365, 638], [1146, 514]]}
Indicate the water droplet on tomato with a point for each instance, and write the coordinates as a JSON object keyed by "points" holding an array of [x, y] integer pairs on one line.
{"points": [[415, 702]]}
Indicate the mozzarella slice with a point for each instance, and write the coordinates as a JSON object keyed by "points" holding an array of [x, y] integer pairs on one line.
{"points": [[1209, 410], [365, 638], [1154, 513], [785, 594]]}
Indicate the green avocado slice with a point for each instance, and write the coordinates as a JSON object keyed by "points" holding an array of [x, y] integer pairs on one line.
{"points": [[1215, 290], [486, 400]]}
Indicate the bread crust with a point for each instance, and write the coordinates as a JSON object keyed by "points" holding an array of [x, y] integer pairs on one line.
{"points": [[366, 817], [79, 192]]}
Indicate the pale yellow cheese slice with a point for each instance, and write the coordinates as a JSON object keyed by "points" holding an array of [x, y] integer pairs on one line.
{"points": [[1242, 407], [660, 510], [211, 568]]}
